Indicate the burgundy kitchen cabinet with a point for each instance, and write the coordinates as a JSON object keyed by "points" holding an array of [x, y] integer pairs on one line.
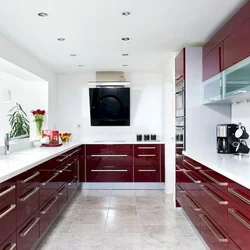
{"points": [[82, 164], [180, 66], [162, 164], [7, 189], [10, 243], [72, 180], [236, 46], [62, 196], [212, 63]]}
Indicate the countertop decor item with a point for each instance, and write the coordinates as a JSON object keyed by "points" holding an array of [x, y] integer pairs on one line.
{"points": [[18, 122], [65, 137], [51, 145], [38, 115]]}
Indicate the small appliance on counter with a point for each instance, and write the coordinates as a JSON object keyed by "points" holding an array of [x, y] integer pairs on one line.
{"points": [[50, 138], [139, 137], [146, 137], [240, 144]]}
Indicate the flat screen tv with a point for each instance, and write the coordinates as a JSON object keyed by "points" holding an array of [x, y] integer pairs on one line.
{"points": [[109, 106]]}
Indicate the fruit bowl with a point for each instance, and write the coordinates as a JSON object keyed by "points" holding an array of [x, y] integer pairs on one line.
{"points": [[65, 137]]}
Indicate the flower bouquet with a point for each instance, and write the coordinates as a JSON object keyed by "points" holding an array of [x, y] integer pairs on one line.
{"points": [[38, 115]]}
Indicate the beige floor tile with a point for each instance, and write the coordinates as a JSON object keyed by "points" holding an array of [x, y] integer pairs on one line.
{"points": [[121, 201], [80, 229], [122, 242], [100, 193], [92, 217], [191, 242], [123, 193], [119, 212]]}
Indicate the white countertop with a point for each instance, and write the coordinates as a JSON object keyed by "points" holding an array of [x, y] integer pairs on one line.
{"points": [[233, 167], [20, 161]]}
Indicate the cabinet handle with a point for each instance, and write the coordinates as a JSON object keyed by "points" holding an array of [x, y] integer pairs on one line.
{"points": [[146, 147], [179, 168], [219, 236], [181, 189], [11, 207], [54, 200], [63, 169], [192, 203], [73, 153], [62, 191], [7, 190], [11, 245], [241, 197], [147, 155], [50, 179], [222, 184], [179, 148], [191, 178], [238, 217], [109, 170], [213, 196], [63, 159], [31, 226], [191, 165], [32, 192], [30, 178], [109, 155], [70, 183], [146, 170]]}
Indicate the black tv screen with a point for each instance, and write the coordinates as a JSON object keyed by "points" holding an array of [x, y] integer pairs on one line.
{"points": [[109, 106]]}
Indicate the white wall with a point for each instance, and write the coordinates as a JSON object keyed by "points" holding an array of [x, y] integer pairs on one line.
{"points": [[146, 102]]}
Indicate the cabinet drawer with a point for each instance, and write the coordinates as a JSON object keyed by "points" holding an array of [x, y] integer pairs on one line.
{"points": [[62, 196], [10, 243], [180, 195], [109, 150], [48, 212], [7, 190], [27, 203], [124, 174], [7, 218], [151, 174], [147, 160], [147, 149], [28, 232], [191, 164], [72, 186]]}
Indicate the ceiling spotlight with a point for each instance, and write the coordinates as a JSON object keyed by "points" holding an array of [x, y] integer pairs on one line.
{"points": [[61, 39], [80, 65], [124, 65], [126, 13], [124, 54], [125, 39], [43, 14], [72, 54]]}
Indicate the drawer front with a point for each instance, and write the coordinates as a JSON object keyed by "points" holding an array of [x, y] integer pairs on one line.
{"points": [[48, 212], [115, 174], [72, 186], [239, 194], [48, 186], [147, 149], [10, 243], [180, 192], [192, 165], [28, 233], [147, 160], [215, 203], [109, 149], [27, 202], [7, 218], [62, 196], [25, 179], [146, 174], [7, 190], [239, 224]]}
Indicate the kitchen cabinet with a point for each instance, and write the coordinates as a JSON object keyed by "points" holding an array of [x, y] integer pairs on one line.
{"points": [[180, 66], [212, 63], [7, 190], [82, 164], [10, 243], [62, 196]]}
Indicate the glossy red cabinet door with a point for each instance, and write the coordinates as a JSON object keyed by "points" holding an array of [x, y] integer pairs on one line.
{"points": [[212, 63], [151, 174], [162, 164], [180, 195], [180, 67], [62, 196], [82, 164], [10, 243], [7, 190], [72, 178], [236, 46], [27, 202], [7, 218], [28, 233]]}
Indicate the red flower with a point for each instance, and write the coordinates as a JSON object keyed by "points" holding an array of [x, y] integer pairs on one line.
{"points": [[38, 112]]}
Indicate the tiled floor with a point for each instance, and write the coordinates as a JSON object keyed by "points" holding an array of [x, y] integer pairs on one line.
{"points": [[122, 219]]}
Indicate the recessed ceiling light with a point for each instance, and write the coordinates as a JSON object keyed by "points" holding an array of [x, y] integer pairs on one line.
{"points": [[80, 65], [124, 54], [61, 39], [43, 14], [125, 38], [72, 54], [124, 65], [126, 13]]}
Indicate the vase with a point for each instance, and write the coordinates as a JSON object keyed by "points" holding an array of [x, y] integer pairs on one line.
{"points": [[39, 125]]}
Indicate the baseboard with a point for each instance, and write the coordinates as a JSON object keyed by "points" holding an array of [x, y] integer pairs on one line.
{"points": [[123, 185]]}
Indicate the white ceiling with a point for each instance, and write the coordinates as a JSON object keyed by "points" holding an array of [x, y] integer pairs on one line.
{"points": [[93, 30]]}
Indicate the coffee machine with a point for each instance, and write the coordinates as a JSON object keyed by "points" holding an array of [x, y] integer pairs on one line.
{"points": [[226, 138]]}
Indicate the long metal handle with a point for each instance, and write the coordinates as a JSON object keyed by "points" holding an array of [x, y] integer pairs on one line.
{"points": [[213, 196], [7, 190], [31, 226], [32, 192], [238, 217], [179, 168], [179, 148], [30, 178], [241, 197], [76, 151], [11, 207], [222, 184], [67, 166], [50, 205], [191, 165], [109, 155], [146, 170], [11, 245], [146, 147], [191, 178], [147, 155], [63, 159], [181, 189], [192, 204], [62, 191], [50, 179], [70, 183], [109, 170], [218, 235]]}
